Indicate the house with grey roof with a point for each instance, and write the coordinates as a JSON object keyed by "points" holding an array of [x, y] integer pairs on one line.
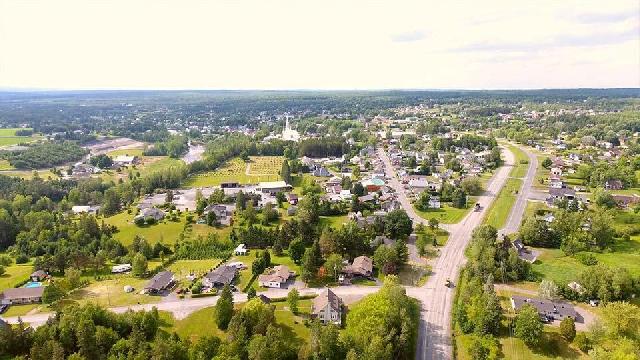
{"points": [[327, 308], [220, 277], [160, 282], [22, 295], [548, 310]]}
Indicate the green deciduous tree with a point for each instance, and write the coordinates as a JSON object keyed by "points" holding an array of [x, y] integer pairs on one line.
{"points": [[224, 308], [528, 326]]}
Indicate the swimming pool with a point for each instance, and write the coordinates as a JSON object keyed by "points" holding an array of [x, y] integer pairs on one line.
{"points": [[33, 284]]}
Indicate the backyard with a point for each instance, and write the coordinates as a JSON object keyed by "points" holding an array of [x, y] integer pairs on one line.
{"points": [[448, 214]]}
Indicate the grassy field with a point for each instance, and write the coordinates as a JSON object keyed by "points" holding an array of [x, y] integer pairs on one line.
{"points": [[184, 267], [12, 132], [110, 292], [166, 230], [499, 211], [135, 152], [334, 221], [260, 168], [20, 310], [29, 174], [14, 275], [554, 264], [448, 214]]}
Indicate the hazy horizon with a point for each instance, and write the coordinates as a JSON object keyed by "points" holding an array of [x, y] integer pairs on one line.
{"points": [[318, 46]]}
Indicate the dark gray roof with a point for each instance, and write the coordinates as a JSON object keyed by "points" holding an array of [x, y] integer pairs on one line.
{"points": [[223, 275], [546, 308], [22, 293], [160, 281], [562, 192]]}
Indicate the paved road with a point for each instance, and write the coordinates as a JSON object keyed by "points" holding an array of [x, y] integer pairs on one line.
{"points": [[434, 335], [525, 193]]}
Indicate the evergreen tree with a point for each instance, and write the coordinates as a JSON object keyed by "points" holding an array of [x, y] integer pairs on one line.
{"points": [[224, 308]]}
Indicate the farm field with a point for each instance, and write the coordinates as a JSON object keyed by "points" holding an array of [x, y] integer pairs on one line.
{"points": [[30, 174], [135, 152], [259, 168], [500, 208], [448, 214]]}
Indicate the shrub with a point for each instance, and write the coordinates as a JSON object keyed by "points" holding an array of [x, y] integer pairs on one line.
{"points": [[22, 259], [587, 258], [581, 341]]}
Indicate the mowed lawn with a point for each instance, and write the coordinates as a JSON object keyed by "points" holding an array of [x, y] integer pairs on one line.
{"points": [[260, 168], [447, 214], [183, 268], [499, 211], [14, 275], [130, 152]]}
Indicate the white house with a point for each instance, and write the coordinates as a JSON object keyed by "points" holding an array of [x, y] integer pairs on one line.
{"points": [[240, 250], [327, 308], [275, 277]]}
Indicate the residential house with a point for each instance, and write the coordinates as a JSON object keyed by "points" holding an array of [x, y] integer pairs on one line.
{"points": [[523, 252], [434, 202], [361, 266], [292, 198], [220, 277], [327, 308], [276, 277], [556, 171], [241, 249], [223, 212], [548, 310], [38, 275], [160, 282], [373, 184], [559, 194], [125, 160], [273, 187], [22, 295], [613, 184], [321, 171], [150, 213], [79, 209]]}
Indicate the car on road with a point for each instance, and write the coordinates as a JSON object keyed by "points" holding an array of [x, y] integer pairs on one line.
{"points": [[448, 283], [477, 207], [3, 308]]}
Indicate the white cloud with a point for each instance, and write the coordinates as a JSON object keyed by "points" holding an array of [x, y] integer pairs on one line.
{"points": [[332, 44]]}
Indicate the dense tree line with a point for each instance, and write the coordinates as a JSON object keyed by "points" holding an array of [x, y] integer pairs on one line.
{"points": [[174, 147], [323, 147], [208, 248]]}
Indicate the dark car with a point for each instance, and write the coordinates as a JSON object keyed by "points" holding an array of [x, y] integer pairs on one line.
{"points": [[3, 308]]}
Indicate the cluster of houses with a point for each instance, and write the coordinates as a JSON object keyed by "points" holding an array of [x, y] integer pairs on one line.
{"points": [[84, 170]]}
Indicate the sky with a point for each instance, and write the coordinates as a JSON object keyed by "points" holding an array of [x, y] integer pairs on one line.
{"points": [[324, 44]]}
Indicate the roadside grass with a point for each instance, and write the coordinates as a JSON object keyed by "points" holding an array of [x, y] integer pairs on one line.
{"points": [[447, 214], [499, 211], [14, 275], [261, 168]]}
